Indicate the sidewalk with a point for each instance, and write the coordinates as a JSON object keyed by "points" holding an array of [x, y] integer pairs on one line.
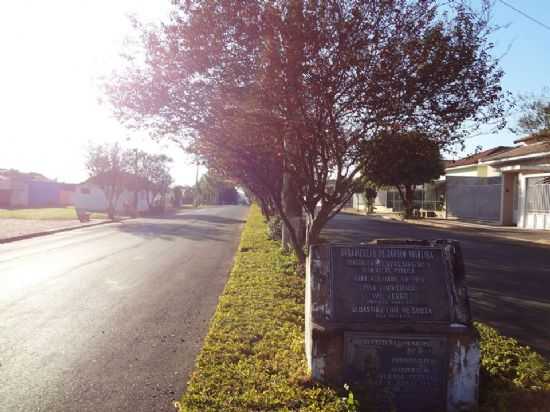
{"points": [[18, 229], [541, 237]]}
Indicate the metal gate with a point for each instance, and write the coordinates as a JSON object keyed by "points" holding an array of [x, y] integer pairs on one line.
{"points": [[537, 203]]}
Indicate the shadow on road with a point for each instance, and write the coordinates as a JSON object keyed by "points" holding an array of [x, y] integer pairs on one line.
{"points": [[206, 218], [172, 230], [174, 225], [508, 281]]}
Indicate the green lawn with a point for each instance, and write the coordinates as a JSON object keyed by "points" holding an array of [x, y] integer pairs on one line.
{"points": [[253, 356], [47, 213]]}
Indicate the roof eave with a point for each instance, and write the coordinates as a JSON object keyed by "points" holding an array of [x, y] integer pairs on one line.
{"points": [[516, 158]]}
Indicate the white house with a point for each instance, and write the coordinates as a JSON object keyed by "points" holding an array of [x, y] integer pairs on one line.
{"points": [[473, 187], [525, 196], [474, 165], [90, 197]]}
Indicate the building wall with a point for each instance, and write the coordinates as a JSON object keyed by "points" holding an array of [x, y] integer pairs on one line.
{"points": [[475, 198], [43, 194], [477, 170], [15, 193], [90, 197], [5, 197], [20, 194], [463, 171], [66, 197], [359, 201], [380, 202]]}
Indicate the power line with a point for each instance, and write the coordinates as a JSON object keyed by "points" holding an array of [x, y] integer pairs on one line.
{"points": [[540, 23]]}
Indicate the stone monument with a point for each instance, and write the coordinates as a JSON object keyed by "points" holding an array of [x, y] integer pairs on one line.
{"points": [[393, 318]]}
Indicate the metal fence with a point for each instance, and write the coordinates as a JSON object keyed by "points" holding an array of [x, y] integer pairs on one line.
{"points": [[427, 198]]}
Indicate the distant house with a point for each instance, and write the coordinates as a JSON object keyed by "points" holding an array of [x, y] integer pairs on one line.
{"points": [[511, 185], [474, 165], [66, 194], [89, 196], [473, 186], [19, 189], [505, 185]]}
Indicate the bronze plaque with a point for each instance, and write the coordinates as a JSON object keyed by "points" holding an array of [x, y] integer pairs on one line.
{"points": [[400, 372], [389, 283]]}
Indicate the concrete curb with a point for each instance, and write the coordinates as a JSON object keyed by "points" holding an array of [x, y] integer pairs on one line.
{"points": [[53, 231]]}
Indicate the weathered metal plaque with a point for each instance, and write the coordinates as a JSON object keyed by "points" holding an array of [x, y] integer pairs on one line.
{"points": [[403, 373], [379, 282]]}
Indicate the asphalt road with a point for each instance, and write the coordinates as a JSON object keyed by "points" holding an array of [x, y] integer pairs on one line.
{"points": [[111, 318], [509, 282]]}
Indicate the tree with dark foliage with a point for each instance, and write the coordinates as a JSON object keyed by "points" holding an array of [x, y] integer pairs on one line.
{"points": [[403, 160], [535, 117], [291, 89]]}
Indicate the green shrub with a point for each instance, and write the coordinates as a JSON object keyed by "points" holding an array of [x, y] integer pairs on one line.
{"points": [[512, 377]]}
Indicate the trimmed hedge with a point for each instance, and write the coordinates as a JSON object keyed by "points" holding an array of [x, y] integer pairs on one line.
{"points": [[253, 355]]}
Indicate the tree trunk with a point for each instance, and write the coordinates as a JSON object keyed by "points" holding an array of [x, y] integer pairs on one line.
{"points": [[292, 237], [110, 195], [408, 202], [315, 226], [294, 215]]}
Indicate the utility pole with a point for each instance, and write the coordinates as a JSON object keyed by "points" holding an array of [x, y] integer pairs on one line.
{"points": [[196, 193]]}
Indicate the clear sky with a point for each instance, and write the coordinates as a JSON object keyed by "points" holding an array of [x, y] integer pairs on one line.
{"points": [[53, 53], [524, 48]]}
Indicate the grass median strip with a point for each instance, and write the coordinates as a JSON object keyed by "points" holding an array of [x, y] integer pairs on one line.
{"points": [[253, 356]]}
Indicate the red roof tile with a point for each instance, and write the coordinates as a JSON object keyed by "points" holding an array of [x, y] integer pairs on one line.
{"points": [[475, 158], [530, 149]]}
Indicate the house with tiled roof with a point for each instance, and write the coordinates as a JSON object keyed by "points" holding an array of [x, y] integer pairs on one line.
{"points": [[525, 171], [90, 195], [506, 185], [473, 165]]}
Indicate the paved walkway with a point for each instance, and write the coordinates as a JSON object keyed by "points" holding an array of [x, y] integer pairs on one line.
{"points": [[10, 228]]}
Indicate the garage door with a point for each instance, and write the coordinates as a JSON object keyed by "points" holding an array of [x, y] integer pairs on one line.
{"points": [[538, 203]]}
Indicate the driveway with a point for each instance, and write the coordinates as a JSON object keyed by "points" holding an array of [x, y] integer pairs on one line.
{"points": [[111, 318], [509, 281]]}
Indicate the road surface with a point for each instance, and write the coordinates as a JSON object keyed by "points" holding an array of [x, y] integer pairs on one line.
{"points": [[509, 281], [111, 318]]}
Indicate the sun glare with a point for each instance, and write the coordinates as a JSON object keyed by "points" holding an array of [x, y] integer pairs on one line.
{"points": [[53, 55]]}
